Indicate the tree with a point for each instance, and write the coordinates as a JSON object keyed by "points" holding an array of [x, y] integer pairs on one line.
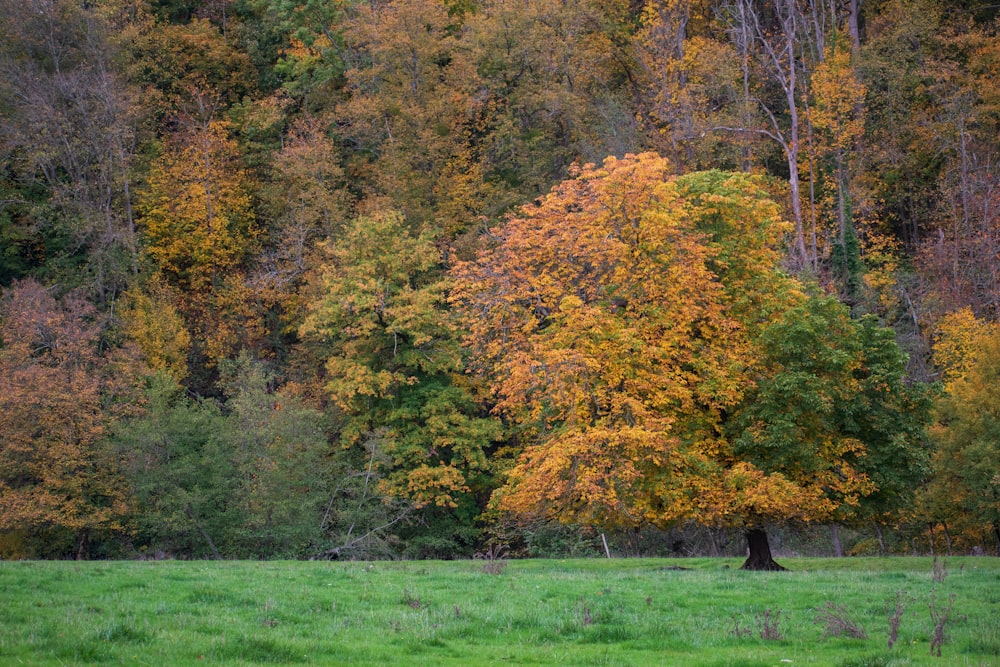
{"points": [[393, 360], [68, 135], [967, 427], [199, 227], [636, 329], [831, 412], [196, 216], [57, 478], [182, 473], [282, 463]]}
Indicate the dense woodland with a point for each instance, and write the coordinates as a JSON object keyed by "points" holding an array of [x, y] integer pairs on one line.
{"points": [[426, 278]]}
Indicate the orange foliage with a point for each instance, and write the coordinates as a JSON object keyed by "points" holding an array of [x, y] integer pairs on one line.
{"points": [[53, 470], [609, 337]]}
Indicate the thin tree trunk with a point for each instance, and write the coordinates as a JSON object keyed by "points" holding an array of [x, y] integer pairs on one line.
{"points": [[853, 28], [197, 524], [881, 539], [930, 533], [947, 537], [838, 549], [759, 552]]}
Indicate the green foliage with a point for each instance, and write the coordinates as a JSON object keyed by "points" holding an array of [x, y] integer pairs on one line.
{"points": [[252, 482], [832, 406], [182, 472], [393, 360], [280, 453]]}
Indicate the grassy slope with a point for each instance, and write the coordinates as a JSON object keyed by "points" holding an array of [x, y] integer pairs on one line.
{"points": [[579, 612]]}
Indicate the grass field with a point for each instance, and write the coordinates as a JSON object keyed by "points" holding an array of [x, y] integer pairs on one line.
{"points": [[575, 612]]}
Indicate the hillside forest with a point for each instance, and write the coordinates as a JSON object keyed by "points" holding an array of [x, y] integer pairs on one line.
{"points": [[431, 278]]}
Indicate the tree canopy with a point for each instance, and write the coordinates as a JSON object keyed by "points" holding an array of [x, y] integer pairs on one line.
{"points": [[661, 367]]}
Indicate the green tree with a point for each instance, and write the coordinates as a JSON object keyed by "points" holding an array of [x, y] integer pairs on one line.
{"points": [[282, 463], [182, 473], [830, 410], [394, 363]]}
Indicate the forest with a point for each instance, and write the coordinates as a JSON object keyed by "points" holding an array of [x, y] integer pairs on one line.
{"points": [[431, 278]]}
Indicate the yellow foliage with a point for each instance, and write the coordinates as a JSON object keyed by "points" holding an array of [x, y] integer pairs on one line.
{"points": [[956, 340], [196, 215], [839, 97], [153, 323]]}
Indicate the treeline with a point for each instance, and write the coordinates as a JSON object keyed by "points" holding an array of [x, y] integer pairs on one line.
{"points": [[300, 278]]}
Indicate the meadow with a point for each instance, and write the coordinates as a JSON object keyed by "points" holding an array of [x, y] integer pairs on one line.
{"points": [[532, 612]]}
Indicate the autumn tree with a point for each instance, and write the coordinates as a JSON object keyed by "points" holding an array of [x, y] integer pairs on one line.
{"points": [[624, 323], [692, 82], [966, 485], [59, 484], [200, 229], [393, 361]]}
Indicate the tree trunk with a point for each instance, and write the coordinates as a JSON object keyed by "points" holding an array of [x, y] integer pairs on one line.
{"points": [[853, 27], [759, 557], [881, 539], [838, 549], [215, 552]]}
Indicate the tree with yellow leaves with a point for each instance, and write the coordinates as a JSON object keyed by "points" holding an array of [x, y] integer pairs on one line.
{"points": [[393, 361], [637, 330], [965, 491]]}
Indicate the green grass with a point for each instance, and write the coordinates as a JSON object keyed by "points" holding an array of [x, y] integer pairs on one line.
{"points": [[575, 612]]}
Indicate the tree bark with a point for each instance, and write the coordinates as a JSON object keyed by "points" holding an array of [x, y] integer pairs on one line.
{"points": [[838, 549], [759, 558], [881, 539]]}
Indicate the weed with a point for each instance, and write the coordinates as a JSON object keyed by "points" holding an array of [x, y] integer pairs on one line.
{"points": [[940, 615], [903, 599], [493, 558], [837, 623], [248, 649], [939, 570], [584, 612], [125, 633], [867, 661], [739, 630], [767, 624], [411, 600]]}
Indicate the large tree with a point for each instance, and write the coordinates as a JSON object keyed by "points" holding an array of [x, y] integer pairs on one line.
{"points": [[631, 325]]}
